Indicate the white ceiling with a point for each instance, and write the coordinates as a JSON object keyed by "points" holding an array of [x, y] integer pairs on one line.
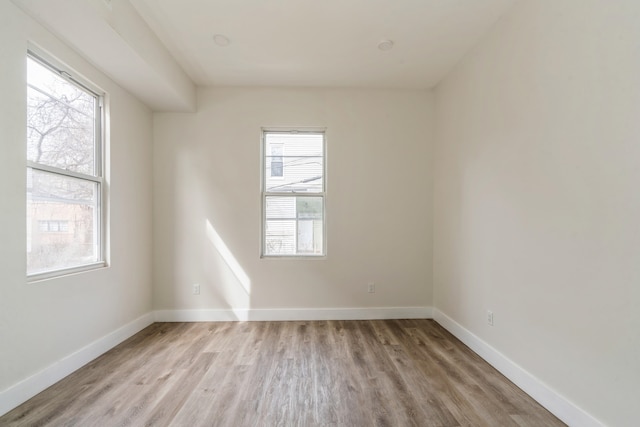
{"points": [[320, 42], [160, 50]]}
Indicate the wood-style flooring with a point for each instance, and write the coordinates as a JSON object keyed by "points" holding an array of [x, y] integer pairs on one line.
{"points": [[319, 373]]}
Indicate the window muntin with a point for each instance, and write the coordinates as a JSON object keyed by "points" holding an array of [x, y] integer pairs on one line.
{"points": [[64, 172], [294, 201]]}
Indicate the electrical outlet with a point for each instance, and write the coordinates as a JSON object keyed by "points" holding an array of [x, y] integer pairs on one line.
{"points": [[490, 317], [371, 287], [196, 289]]}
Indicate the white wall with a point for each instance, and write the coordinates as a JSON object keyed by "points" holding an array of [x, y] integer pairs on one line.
{"points": [[41, 323], [536, 199], [207, 191]]}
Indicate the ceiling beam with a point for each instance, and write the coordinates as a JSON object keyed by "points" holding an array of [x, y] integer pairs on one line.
{"points": [[112, 36]]}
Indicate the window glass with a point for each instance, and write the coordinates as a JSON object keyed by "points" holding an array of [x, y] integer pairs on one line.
{"points": [[65, 210], [60, 121], [302, 162]]}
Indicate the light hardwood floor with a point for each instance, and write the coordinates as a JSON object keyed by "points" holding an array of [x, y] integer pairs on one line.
{"points": [[320, 373]]}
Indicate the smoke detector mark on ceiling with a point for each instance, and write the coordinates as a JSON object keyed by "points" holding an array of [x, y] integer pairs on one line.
{"points": [[385, 45], [221, 40]]}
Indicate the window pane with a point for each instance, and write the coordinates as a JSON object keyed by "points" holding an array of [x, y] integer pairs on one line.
{"points": [[294, 225], [61, 121], [309, 212], [280, 237], [294, 162], [62, 220]]}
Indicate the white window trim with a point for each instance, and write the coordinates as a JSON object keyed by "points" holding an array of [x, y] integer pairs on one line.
{"points": [[264, 193], [70, 75]]}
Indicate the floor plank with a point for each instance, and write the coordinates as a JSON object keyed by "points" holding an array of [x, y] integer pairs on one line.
{"points": [[315, 373]]}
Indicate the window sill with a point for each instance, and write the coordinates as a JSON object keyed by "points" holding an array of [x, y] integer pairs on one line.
{"points": [[55, 274], [295, 257]]}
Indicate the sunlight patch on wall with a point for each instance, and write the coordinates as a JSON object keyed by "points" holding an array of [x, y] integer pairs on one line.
{"points": [[228, 257]]}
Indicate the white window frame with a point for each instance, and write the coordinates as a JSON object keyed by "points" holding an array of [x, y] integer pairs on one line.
{"points": [[73, 78], [265, 193]]}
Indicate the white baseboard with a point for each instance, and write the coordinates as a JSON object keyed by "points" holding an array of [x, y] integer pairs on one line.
{"points": [[293, 314], [26, 389], [557, 404]]}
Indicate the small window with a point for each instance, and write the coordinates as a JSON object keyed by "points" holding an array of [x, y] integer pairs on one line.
{"points": [[293, 193], [53, 226], [64, 171], [275, 160]]}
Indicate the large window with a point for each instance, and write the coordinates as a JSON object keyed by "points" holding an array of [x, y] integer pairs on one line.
{"points": [[293, 193], [64, 171]]}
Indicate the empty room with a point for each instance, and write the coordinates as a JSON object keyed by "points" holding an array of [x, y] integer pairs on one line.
{"points": [[319, 213]]}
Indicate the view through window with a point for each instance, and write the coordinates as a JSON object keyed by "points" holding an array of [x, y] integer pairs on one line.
{"points": [[293, 193]]}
